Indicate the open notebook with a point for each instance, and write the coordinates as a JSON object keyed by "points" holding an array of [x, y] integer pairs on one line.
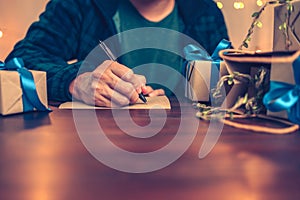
{"points": [[158, 102]]}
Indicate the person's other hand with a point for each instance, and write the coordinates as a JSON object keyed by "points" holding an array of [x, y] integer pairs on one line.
{"points": [[110, 84], [148, 90]]}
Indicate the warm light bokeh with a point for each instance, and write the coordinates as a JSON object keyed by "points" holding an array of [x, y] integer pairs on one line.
{"points": [[259, 3], [16, 16], [220, 4], [238, 5]]}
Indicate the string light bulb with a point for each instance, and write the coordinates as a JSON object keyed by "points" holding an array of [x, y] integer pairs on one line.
{"points": [[219, 4], [238, 5], [259, 3], [259, 24]]}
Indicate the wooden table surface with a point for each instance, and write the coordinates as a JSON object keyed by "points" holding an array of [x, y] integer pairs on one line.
{"points": [[43, 157]]}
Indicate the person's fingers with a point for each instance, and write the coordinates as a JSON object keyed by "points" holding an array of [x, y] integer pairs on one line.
{"points": [[158, 92], [146, 89], [136, 80], [119, 92], [113, 67], [121, 79], [120, 86], [105, 102], [104, 66], [128, 75], [111, 98], [101, 100], [141, 82], [110, 84], [122, 71]]}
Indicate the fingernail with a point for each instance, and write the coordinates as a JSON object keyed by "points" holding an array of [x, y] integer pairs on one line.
{"points": [[139, 90], [150, 94]]}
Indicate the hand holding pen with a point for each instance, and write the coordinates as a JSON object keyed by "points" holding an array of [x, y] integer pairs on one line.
{"points": [[113, 58], [110, 84]]}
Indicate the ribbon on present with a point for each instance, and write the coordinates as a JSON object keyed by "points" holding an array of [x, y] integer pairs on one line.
{"points": [[30, 97], [193, 53], [284, 96]]}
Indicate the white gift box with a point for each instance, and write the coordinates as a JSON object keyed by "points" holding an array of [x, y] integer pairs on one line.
{"points": [[202, 76]]}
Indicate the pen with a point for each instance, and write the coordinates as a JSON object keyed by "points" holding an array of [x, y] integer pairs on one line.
{"points": [[112, 57]]}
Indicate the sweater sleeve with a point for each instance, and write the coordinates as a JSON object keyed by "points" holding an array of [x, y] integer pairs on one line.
{"points": [[50, 43]]}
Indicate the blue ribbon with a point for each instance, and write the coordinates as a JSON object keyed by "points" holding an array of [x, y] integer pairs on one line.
{"points": [[2, 66], [30, 97], [284, 96], [193, 52]]}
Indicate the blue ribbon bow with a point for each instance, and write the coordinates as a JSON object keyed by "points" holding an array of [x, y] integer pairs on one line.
{"points": [[284, 96], [30, 97], [193, 52]]}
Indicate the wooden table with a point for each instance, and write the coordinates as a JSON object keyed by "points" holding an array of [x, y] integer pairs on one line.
{"points": [[42, 157]]}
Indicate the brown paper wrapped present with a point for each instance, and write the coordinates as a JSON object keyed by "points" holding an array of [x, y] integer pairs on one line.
{"points": [[202, 77], [12, 94], [284, 89], [280, 42], [248, 62], [203, 71]]}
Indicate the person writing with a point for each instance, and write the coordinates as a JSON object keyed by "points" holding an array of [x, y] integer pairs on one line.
{"points": [[70, 30]]}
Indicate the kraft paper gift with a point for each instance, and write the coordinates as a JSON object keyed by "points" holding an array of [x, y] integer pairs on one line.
{"points": [[21, 90], [293, 28], [244, 62], [278, 66], [202, 76], [203, 71], [283, 98]]}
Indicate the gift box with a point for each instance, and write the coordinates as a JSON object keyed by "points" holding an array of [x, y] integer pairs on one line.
{"points": [[293, 28], [281, 88], [248, 64], [202, 77], [21, 90], [203, 71], [283, 98]]}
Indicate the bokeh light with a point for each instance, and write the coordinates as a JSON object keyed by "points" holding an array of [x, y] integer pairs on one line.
{"points": [[219, 4], [259, 3], [238, 5], [259, 24]]}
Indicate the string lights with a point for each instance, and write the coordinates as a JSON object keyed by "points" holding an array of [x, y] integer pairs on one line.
{"points": [[238, 5], [219, 4], [259, 3]]}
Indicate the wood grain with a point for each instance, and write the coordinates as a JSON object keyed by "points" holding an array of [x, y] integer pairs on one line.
{"points": [[42, 157]]}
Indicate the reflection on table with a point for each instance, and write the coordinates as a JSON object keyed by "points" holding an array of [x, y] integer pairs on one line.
{"points": [[43, 157]]}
